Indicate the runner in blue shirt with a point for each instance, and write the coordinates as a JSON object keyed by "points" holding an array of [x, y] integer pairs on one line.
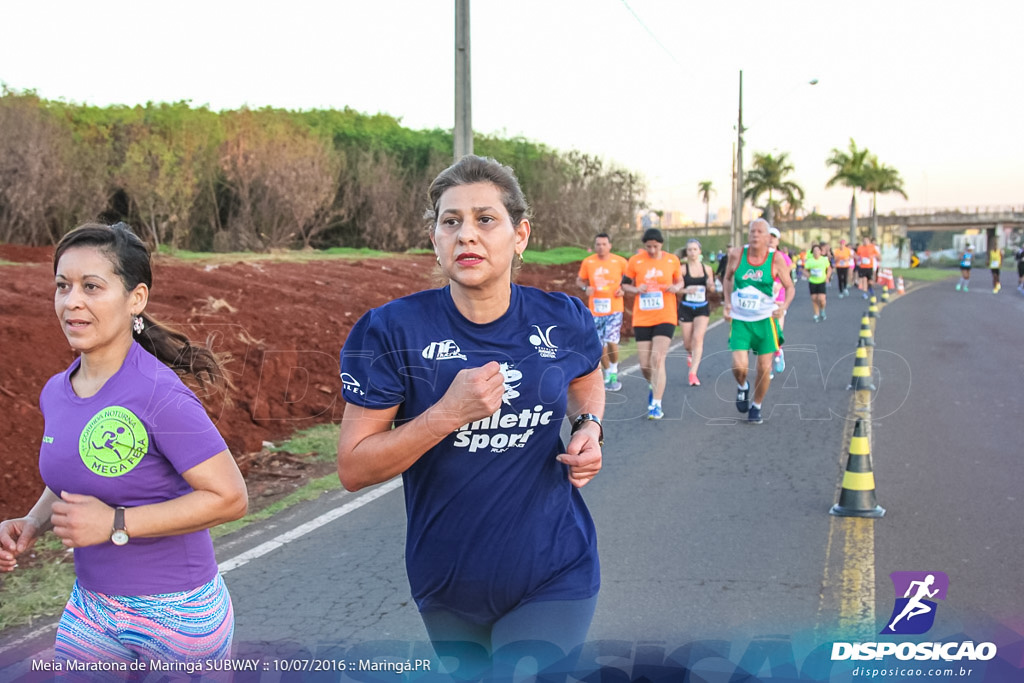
{"points": [[476, 378]]}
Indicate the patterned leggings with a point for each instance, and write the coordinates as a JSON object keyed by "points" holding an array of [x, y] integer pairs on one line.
{"points": [[190, 626]]}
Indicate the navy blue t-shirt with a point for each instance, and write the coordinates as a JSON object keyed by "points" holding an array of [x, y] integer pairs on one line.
{"points": [[493, 522]]}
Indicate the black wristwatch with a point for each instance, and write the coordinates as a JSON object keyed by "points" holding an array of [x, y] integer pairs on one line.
{"points": [[589, 417]]}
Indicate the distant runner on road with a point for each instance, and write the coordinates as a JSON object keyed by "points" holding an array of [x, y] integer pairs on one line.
{"points": [[779, 361], [844, 264], [995, 262], [694, 310], [1019, 256], [600, 278], [656, 278], [966, 261], [818, 272], [750, 304], [867, 260]]}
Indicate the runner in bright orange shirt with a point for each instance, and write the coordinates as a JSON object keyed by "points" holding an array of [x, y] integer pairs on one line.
{"points": [[656, 277], [844, 262], [600, 277], [867, 260]]}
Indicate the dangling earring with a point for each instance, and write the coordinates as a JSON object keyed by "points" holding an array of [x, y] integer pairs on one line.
{"points": [[520, 256], [137, 324]]}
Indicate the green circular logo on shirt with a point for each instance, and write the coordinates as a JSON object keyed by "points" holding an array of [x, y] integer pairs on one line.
{"points": [[113, 442]]}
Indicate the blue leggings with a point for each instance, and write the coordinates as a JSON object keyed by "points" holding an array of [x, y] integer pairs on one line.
{"points": [[543, 636]]}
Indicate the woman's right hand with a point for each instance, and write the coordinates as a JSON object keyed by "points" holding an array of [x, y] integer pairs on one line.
{"points": [[16, 537], [474, 394]]}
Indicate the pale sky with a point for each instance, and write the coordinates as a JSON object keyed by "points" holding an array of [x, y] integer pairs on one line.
{"points": [[935, 88]]}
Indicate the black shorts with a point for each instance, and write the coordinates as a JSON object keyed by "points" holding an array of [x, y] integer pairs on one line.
{"points": [[818, 287], [646, 334], [1020, 268], [688, 313], [865, 272]]}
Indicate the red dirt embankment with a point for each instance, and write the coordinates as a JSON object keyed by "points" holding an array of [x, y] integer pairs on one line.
{"points": [[283, 324]]}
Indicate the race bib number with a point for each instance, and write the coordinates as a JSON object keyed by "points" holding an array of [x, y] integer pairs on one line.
{"points": [[651, 301], [748, 302], [993, 264], [697, 296], [843, 263], [602, 305], [817, 272]]}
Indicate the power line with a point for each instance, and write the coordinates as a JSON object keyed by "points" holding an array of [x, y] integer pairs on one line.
{"points": [[651, 34]]}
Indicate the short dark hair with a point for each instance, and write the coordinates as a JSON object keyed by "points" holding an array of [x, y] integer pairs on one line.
{"points": [[604, 235], [472, 169]]}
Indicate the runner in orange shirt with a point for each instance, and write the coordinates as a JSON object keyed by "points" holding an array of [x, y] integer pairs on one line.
{"points": [[867, 260], [656, 277], [600, 277], [844, 262]]}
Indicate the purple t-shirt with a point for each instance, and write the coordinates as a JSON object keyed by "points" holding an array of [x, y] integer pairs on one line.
{"points": [[128, 445]]}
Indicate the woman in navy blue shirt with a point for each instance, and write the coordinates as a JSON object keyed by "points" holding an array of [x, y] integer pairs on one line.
{"points": [[476, 378]]}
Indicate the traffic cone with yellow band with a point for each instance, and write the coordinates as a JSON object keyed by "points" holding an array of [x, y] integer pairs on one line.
{"points": [[857, 498], [866, 338], [861, 371], [885, 294], [873, 307]]}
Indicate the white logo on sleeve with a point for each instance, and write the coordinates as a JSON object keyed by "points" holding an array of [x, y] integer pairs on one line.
{"points": [[443, 350], [541, 341], [350, 383]]}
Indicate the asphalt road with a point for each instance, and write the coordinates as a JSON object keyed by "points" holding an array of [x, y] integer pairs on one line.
{"points": [[714, 534]]}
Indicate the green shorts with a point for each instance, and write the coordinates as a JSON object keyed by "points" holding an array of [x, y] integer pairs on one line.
{"points": [[759, 336]]}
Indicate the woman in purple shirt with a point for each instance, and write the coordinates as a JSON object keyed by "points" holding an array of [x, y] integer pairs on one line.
{"points": [[135, 471]]}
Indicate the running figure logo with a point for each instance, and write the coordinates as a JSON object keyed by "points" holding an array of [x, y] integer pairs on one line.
{"points": [[914, 613]]}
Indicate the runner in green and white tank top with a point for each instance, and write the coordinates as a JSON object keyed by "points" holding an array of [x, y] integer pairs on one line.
{"points": [[753, 296]]}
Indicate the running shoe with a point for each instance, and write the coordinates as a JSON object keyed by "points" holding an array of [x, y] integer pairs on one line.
{"points": [[613, 386], [754, 416], [694, 382], [997, 288], [965, 287], [743, 400], [823, 316], [865, 296], [959, 285], [817, 318], [780, 362], [655, 413]]}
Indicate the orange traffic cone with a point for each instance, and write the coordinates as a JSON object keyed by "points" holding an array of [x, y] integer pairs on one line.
{"points": [[857, 499], [861, 371], [899, 285]]}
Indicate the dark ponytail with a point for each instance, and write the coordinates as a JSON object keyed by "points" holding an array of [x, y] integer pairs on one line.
{"points": [[132, 263]]}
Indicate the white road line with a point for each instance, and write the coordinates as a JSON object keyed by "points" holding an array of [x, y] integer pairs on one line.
{"points": [[310, 526]]}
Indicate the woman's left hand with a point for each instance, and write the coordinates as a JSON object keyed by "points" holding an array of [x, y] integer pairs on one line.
{"points": [[583, 455], [80, 520]]}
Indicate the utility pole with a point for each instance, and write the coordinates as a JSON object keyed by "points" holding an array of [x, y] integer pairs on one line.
{"points": [[738, 213], [463, 132]]}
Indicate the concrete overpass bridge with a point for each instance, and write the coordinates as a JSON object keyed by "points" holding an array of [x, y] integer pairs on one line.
{"points": [[955, 219]]}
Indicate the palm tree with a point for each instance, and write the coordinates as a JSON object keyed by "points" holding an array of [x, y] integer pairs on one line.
{"points": [[849, 172], [769, 175], [704, 191], [879, 178]]}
